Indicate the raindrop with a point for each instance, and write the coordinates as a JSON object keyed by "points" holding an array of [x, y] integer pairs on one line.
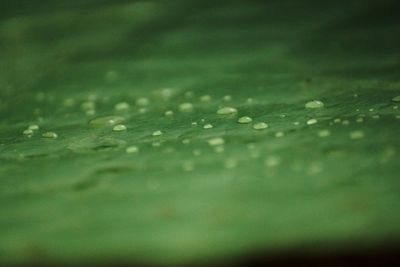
{"points": [[356, 135], [245, 119], [28, 132], [218, 141], [260, 126], [205, 98], [324, 133], [33, 127], [157, 133], [360, 120], [142, 101], [122, 106], [186, 107], [396, 98], [169, 113], [194, 124], [208, 126], [226, 111], [106, 121], [227, 98], [50, 135], [132, 149], [314, 104], [119, 128], [312, 121]]}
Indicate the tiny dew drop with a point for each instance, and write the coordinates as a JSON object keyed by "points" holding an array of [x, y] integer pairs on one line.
{"points": [[33, 127], [143, 101], [132, 149], [356, 135], [245, 120], [122, 106], [157, 133], [260, 126], [106, 121], [396, 98], [208, 126], [119, 128], [217, 141], [186, 107], [227, 98], [50, 135], [324, 133], [205, 98], [312, 121], [226, 111], [314, 104], [28, 132], [169, 113]]}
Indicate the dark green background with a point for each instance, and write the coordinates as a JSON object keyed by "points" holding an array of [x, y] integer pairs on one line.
{"points": [[81, 198]]}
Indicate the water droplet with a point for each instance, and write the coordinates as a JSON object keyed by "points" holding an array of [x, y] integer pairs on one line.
{"points": [[296, 123], [217, 141], [132, 149], [260, 126], [396, 98], [186, 141], [194, 124], [208, 126], [186, 107], [205, 98], [106, 121], [119, 128], [245, 119], [356, 134], [169, 113], [142, 101], [337, 120], [28, 132], [226, 111], [279, 134], [312, 121], [395, 107], [324, 133], [371, 110], [314, 104], [376, 116], [49, 135], [122, 106], [33, 127], [227, 98], [157, 133]]}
